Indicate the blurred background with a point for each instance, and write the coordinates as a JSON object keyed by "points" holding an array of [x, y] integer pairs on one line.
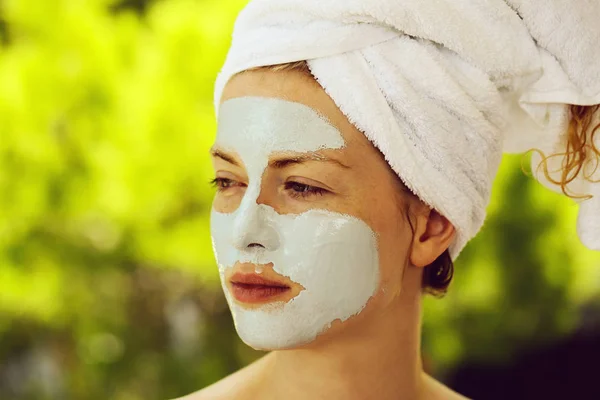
{"points": [[108, 288]]}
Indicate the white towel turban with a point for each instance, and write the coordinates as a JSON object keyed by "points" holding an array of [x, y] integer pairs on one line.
{"points": [[441, 87]]}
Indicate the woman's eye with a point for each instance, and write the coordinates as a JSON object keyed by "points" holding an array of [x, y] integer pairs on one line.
{"points": [[224, 183], [301, 190]]}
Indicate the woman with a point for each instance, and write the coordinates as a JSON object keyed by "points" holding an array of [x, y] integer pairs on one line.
{"points": [[324, 252]]}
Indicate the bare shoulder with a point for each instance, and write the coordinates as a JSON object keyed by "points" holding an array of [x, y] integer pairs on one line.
{"points": [[438, 391], [239, 386]]}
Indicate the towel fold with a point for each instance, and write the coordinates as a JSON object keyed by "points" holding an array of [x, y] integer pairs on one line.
{"points": [[441, 87]]}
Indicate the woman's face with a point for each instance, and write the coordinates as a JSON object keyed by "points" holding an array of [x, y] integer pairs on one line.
{"points": [[308, 222]]}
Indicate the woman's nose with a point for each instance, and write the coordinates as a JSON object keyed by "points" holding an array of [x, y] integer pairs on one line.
{"points": [[254, 227]]}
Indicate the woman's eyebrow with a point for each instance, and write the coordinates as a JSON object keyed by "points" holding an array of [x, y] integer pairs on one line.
{"points": [[224, 156], [302, 158], [283, 161]]}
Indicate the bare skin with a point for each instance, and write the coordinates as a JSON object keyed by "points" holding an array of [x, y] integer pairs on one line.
{"points": [[376, 353]]}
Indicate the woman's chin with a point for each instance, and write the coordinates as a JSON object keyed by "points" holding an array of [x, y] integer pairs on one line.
{"points": [[294, 343], [274, 347]]}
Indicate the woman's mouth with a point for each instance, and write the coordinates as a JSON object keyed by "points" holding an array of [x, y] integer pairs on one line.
{"points": [[253, 288]]}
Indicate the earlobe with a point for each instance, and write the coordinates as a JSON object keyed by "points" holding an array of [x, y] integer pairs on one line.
{"points": [[432, 236]]}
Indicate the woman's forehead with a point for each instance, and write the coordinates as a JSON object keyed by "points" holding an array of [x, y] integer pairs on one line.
{"points": [[292, 86], [295, 98], [268, 124], [288, 85]]}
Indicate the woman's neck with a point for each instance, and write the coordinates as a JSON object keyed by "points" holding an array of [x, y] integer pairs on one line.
{"points": [[379, 358]]}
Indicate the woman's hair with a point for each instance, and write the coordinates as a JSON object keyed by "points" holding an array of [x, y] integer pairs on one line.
{"points": [[580, 152]]}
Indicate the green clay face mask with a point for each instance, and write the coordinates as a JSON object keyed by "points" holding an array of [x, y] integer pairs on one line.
{"points": [[333, 256]]}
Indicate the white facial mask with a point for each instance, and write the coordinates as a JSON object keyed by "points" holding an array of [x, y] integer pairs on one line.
{"points": [[333, 256]]}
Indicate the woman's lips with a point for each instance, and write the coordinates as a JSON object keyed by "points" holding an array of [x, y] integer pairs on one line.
{"points": [[253, 288]]}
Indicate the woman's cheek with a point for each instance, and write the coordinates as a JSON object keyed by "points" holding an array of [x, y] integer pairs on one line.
{"points": [[227, 201]]}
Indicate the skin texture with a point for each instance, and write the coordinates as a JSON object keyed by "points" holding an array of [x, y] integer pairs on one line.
{"points": [[376, 353]]}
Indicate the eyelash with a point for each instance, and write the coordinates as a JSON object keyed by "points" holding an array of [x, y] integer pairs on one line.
{"points": [[296, 189], [300, 190], [224, 183]]}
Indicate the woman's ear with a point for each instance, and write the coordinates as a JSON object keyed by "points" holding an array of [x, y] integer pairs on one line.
{"points": [[432, 236]]}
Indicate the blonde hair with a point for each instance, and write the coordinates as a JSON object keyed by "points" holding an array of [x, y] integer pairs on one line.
{"points": [[580, 151], [301, 66]]}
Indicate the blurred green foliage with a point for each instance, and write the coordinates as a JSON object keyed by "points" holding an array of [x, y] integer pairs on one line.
{"points": [[107, 281]]}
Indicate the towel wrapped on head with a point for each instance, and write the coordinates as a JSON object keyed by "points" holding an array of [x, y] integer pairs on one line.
{"points": [[442, 87]]}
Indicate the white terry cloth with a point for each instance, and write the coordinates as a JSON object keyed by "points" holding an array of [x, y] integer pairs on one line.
{"points": [[441, 87]]}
